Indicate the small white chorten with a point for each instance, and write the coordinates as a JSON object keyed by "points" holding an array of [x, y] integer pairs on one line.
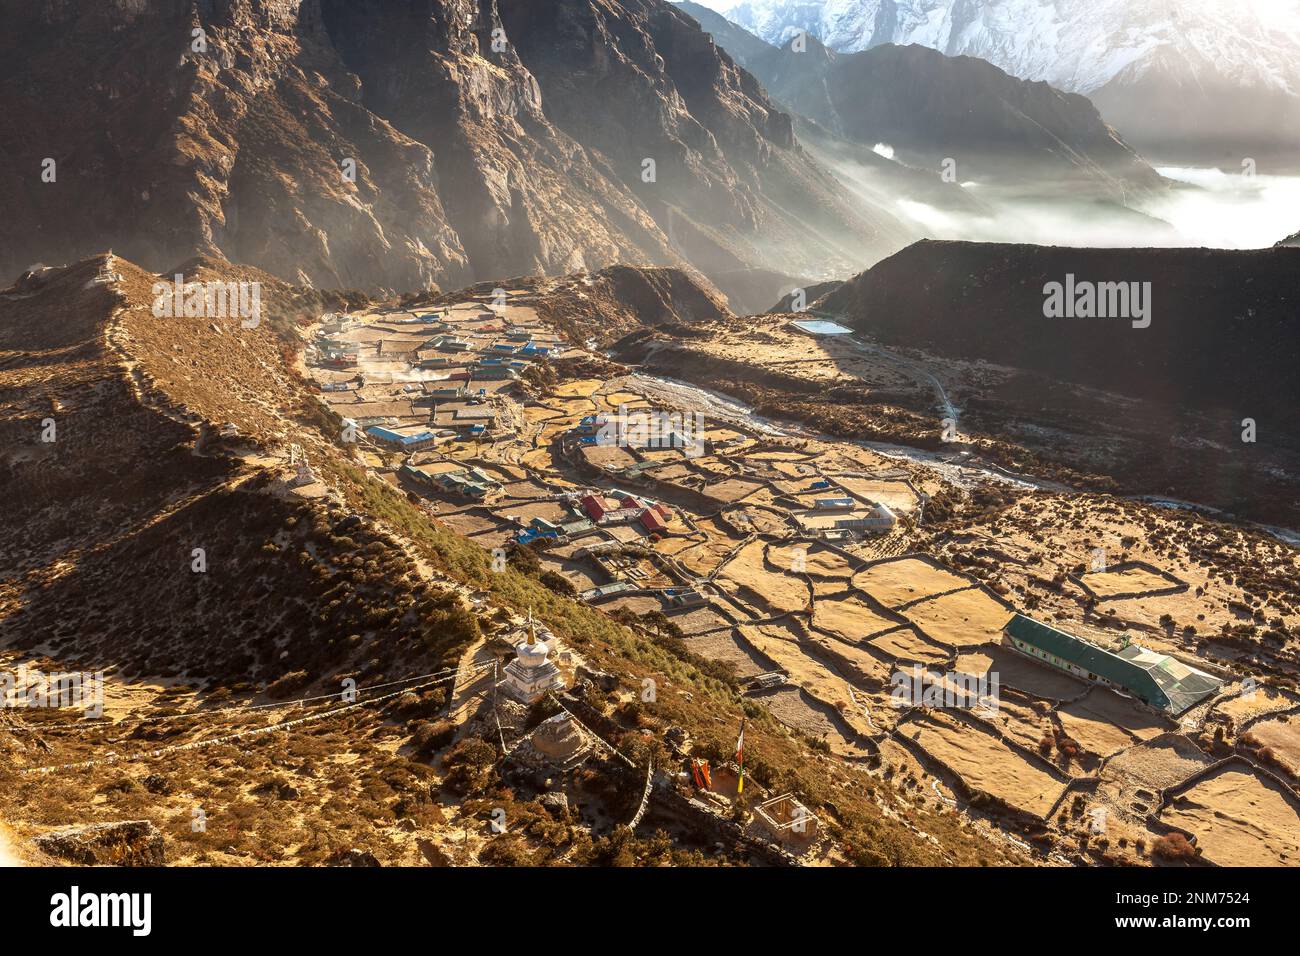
{"points": [[531, 674]]}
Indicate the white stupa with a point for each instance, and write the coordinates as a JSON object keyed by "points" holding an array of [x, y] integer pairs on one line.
{"points": [[531, 674]]}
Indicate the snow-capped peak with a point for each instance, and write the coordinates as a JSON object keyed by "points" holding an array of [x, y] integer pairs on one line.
{"points": [[1076, 45]]}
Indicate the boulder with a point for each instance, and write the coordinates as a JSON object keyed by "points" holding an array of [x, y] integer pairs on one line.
{"points": [[556, 804], [602, 679], [124, 843], [433, 853], [354, 857]]}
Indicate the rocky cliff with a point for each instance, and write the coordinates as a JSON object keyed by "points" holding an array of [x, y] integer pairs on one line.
{"points": [[638, 81], [373, 144], [386, 144]]}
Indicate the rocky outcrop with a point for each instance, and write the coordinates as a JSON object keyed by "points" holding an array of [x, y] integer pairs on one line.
{"points": [[354, 857], [128, 843]]}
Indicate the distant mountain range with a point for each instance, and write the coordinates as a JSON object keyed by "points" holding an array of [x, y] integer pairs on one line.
{"points": [[371, 144], [930, 108], [1196, 75], [957, 119]]}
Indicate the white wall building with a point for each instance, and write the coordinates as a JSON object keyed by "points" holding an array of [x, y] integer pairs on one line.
{"points": [[531, 674]]}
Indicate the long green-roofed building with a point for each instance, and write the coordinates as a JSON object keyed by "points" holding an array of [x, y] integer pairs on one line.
{"points": [[1158, 680]]}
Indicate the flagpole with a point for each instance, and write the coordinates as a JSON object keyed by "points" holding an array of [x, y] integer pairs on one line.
{"points": [[740, 758]]}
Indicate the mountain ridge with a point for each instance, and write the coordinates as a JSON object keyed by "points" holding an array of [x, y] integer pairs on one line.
{"points": [[933, 109], [1236, 71], [379, 146]]}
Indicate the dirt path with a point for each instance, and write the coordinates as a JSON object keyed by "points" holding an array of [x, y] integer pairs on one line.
{"points": [[468, 692]]}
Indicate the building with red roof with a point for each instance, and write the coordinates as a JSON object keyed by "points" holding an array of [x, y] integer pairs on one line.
{"points": [[651, 521]]}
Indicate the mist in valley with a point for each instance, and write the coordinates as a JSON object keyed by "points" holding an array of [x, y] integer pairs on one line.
{"points": [[1206, 207], [1231, 210], [1202, 206]]}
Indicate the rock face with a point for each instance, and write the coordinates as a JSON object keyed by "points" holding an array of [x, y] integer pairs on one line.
{"points": [[638, 80], [241, 141], [740, 44], [128, 843], [523, 197], [401, 145]]}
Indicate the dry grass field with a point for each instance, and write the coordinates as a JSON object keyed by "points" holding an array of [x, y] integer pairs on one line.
{"points": [[1240, 819], [779, 592], [986, 764], [960, 619], [1128, 581], [849, 618], [902, 581]]}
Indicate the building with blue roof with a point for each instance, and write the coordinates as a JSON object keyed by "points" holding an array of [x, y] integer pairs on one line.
{"points": [[415, 442]]}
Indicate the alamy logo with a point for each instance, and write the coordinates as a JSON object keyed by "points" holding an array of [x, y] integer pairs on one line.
{"points": [[1098, 300], [208, 300], [646, 428], [922, 688], [29, 687], [73, 909]]}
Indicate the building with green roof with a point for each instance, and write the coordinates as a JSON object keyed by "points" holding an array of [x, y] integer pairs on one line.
{"points": [[1158, 680]]}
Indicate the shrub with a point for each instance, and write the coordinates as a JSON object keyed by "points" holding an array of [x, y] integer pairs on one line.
{"points": [[523, 558], [472, 752], [558, 583], [507, 850], [432, 736], [288, 683], [1174, 848]]}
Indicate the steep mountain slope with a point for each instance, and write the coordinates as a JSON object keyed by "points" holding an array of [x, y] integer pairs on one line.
{"points": [[240, 146], [874, 180], [638, 80], [929, 107], [303, 588], [372, 144], [116, 472], [741, 45], [1170, 76], [1220, 335]]}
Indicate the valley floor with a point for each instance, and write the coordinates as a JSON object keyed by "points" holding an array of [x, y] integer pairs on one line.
{"points": [[691, 564], [764, 547]]}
